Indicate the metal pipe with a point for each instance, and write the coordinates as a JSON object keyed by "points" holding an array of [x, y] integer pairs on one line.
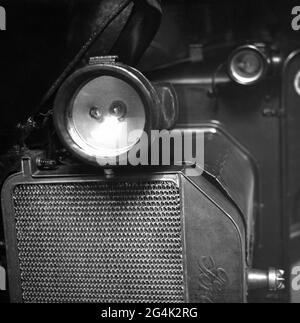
{"points": [[272, 279]]}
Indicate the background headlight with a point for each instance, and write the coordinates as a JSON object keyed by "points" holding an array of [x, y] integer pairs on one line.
{"points": [[247, 65]]}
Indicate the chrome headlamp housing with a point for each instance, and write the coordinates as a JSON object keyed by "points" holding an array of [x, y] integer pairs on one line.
{"points": [[102, 111]]}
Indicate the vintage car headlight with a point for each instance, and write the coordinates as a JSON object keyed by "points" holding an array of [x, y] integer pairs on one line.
{"points": [[104, 109], [247, 65]]}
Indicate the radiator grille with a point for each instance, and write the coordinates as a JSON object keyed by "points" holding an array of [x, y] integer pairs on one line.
{"points": [[100, 242]]}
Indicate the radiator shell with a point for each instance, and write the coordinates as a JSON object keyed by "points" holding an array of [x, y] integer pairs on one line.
{"points": [[209, 245]]}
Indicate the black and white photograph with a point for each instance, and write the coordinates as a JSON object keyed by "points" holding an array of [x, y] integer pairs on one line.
{"points": [[149, 154]]}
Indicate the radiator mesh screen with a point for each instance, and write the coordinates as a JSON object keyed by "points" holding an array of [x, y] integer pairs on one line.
{"points": [[100, 242]]}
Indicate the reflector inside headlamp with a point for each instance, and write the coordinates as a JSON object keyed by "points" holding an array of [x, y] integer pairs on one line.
{"points": [[103, 114]]}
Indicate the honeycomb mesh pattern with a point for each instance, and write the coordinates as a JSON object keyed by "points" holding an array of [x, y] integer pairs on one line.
{"points": [[100, 242]]}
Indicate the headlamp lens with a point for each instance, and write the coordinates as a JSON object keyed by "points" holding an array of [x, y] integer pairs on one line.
{"points": [[101, 124]]}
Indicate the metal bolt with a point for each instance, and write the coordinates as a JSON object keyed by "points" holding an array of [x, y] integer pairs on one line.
{"points": [[276, 279], [118, 109], [46, 164], [108, 172], [96, 113]]}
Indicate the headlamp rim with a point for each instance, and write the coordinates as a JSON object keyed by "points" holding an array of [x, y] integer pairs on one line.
{"points": [[263, 58], [79, 79]]}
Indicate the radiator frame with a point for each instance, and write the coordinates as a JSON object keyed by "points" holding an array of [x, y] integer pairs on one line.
{"points": [[28, 176]]}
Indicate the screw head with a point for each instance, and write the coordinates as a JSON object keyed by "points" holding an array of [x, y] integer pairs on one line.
{"points": [[118, 109], [96, 113]]}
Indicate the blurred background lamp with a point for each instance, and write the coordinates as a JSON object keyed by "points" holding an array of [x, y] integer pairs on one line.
{"points": [[247, 65]]}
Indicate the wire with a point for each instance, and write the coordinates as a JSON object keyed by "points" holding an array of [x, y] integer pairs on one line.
{"points": [[214, 78]]}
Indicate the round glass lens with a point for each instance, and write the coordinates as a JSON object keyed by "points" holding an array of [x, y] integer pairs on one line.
{"points": [[107, 117]]}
